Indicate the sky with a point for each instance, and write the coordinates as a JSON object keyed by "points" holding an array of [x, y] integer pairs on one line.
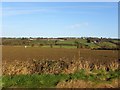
{"points": [[60, 19], [60, 0]]}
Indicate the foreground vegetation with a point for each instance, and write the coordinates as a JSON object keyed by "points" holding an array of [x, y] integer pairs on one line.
{"points": [[60, 74], [54, 80], [49, 63]]}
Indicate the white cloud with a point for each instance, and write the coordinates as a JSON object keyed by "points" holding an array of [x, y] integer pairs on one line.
{"points": [[29, 9], [12, 11], [9, 11], [77, 26], [27, 6]]}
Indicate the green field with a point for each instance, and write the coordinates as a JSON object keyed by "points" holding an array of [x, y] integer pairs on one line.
{"points": [[51, 80], [63, 43]]}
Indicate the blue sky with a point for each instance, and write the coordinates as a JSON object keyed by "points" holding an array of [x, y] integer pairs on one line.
{"points": [[50, 19]]}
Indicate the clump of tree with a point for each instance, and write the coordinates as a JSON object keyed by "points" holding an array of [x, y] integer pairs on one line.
{"points": [[25, 43], [41, 45], [88, 40], [56, 42]]}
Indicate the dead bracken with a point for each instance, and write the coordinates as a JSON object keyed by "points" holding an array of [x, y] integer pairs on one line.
{"points": [[54, 67]]}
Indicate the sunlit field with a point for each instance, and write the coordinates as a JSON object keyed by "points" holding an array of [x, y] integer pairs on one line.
{"points": [[61, 67]]}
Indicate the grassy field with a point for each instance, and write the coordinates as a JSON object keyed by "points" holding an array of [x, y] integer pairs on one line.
{"points": [[62, 80], [64, 42], [59, 67]]}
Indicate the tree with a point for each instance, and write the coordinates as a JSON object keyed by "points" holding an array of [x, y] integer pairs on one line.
{"points": [[88, 40], [41, 45], [77, 44], [23, 42], [56, 42]]}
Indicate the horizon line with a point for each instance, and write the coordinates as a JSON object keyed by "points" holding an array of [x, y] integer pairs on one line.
{"points": [[57, 37]]}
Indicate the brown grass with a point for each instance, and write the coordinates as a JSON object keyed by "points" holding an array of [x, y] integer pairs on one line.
{"points": [[86, 84], [75, 84], [53, 67]]}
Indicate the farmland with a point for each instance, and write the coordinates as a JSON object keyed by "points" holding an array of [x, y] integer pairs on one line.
{"points": [[46, 66], [11, 53]]}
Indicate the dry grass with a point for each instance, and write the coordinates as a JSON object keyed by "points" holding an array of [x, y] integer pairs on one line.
{"points": [[75, 84], [86, 84], [54, 67]]}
